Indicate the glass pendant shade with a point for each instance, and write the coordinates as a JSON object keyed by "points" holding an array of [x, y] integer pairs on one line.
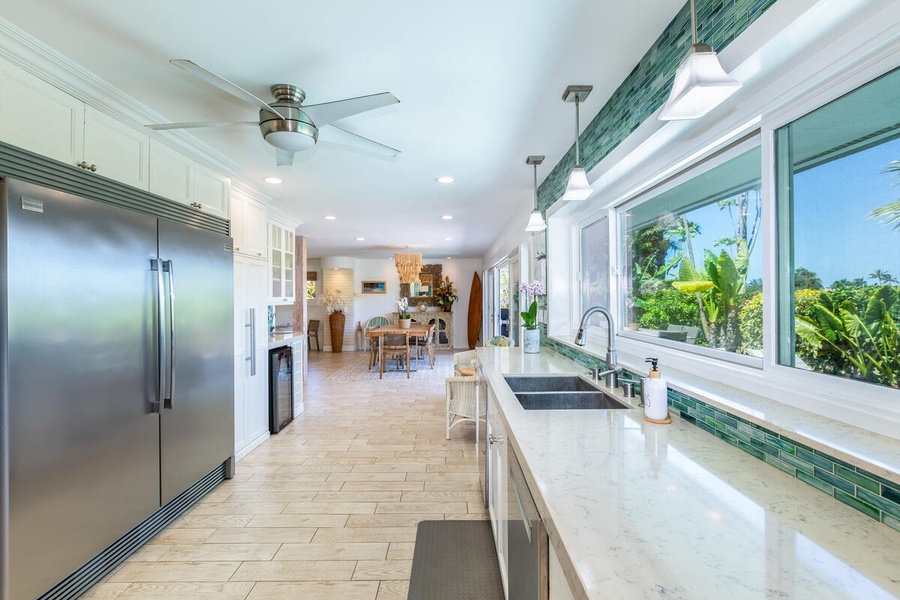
{"points": [[700, 85], [536, 221], [578, 187]]}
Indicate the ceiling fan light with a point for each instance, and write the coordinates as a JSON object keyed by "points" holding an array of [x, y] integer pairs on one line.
{"points": [[700, 85], [536, 221], [292, 141], [578, 187]]}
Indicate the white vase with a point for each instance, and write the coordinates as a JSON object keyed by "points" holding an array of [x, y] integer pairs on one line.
{"points": [[531, 341]]}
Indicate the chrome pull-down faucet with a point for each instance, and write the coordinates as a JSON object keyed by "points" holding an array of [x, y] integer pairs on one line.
{"points": [[612, 359]]}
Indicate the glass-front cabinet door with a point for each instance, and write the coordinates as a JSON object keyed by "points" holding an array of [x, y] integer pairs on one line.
{"points": [[281, 264]]}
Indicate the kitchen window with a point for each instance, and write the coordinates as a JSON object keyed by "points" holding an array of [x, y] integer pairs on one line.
{"points": [[312, 282], [692, 260], [838, 202], [595, 246]]}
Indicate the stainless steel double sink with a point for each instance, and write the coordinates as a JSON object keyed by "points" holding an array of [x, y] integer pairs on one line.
{"points": [[560, 392]]}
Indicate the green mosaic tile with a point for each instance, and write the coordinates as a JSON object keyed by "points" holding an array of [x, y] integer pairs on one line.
{"points": [[889, 489], [723, 435], [801, 465], [767, 448], [892, 522], [836, 461], [784, 445], [858, 479], [751, 450], [882, 504], [727, 419], [780, 464], [859, 505], [834, 480], [819, 461], [820, 485], [715, 424]]}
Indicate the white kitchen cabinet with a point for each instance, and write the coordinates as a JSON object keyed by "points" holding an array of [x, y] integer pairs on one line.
{"points": [[171, 173], [498, 466], [298, 349], [251, 381], [210, 191], [281, 263], [117, 150], [37, 116], [559, 585], [248, 226]]}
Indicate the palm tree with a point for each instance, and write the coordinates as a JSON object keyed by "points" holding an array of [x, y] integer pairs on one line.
{"points": [[882, 277], [890, 212]]}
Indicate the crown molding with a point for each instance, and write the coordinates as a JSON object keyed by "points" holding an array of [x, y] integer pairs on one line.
{"points": [[44, 62]]}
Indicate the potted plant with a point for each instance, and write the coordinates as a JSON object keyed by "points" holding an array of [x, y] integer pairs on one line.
{"points": [[335, 305], [531, 338], [403, 316], [445, 294]]}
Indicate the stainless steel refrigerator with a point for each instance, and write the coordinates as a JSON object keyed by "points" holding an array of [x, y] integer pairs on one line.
{"points": [[116, 381]]}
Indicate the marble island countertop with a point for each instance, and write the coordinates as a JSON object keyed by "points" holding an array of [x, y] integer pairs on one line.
{"points": [[637, 510]]}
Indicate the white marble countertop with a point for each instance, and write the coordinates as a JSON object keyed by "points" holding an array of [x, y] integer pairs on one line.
{"points": [[281, 338], [636, 510]]}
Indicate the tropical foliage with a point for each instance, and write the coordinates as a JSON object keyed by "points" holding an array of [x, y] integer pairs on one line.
{"points": [[444, 294]]}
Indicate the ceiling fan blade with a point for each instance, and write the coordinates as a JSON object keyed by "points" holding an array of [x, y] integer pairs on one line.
{"points": [[284, 158], [328, 112], [163, 126], [222, 83], [337, 135]]}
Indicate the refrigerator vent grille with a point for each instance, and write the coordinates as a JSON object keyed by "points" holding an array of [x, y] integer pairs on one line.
{"points": [[34, 168], [103, 563]]}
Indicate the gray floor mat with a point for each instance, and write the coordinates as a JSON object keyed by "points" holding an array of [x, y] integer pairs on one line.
{"points": [[455, 560]]}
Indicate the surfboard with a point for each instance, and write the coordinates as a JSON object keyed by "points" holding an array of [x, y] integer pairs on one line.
{"points": [[475, 303]]}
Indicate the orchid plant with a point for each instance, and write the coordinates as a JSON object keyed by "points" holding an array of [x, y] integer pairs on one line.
{"points": [[334, 302], [533, 289], [403, 308]]}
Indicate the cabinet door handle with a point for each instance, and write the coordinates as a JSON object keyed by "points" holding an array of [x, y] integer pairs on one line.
{"points": [[83, 164]]}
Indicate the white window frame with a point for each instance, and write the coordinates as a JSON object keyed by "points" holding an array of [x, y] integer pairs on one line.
{"points": [[835, 69]]}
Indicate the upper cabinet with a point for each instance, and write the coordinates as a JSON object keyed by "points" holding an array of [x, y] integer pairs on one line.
{"points": [[210, 191], [281, 263], [176, 177], [39, 117], [248, 226]]}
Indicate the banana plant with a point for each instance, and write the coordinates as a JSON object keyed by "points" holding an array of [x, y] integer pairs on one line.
{"points": [[869, 342], [718, 290]]}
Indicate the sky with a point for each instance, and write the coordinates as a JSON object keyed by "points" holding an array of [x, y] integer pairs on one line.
{"points": [[833, 236]]}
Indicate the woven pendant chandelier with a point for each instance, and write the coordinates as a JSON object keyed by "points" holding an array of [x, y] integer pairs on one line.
{"points": [[409, 265]]}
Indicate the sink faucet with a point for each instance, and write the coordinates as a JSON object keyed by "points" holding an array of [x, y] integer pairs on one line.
{"points": [[612, 359]]}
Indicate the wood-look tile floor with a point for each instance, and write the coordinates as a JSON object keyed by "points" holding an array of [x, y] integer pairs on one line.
{"points": [[326, 509]]}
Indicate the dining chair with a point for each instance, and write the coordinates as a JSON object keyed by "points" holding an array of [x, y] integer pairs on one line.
{"points": [[371, 324], [312, 331], [396, 346]]}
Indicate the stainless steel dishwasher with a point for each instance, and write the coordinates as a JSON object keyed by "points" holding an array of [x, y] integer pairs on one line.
{"points": [[528, 552]]}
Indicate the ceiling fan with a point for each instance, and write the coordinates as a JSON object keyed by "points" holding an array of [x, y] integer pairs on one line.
{"points": [[286, 123]]}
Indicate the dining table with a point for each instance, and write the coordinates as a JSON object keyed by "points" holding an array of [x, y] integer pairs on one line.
{"points": [[416, 330]]}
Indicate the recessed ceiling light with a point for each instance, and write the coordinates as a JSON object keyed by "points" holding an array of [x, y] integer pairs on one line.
{"points": [[447, 217], [330, 218], [274, 180], [360, 239], [445, 179], [447, 239]]}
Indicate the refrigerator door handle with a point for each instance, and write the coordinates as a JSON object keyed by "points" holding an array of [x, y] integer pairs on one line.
{"points": [[170, 269], [252, 357], [156, 264]]}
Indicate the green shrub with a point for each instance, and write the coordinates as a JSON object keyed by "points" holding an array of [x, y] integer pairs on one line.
{"points": [[669, 307]]}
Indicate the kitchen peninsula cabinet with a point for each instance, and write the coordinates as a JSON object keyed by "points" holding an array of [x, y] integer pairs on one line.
{"points": [[68, 130], [498, 465]]}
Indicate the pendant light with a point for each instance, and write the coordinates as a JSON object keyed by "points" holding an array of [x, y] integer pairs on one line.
{"points": [[701, 84], [536, 220], [409, 265], [578, 187]]}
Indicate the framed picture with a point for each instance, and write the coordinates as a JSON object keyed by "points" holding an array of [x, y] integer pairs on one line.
{"points": [[373, 287]]}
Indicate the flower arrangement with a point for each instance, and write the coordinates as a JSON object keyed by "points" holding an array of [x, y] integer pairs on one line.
{"points": [[403, 308], [534, 289], [334, 302], [445, 294]]}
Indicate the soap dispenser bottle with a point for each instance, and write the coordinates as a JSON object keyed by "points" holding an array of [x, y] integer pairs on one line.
{"points": [[656, 406]]}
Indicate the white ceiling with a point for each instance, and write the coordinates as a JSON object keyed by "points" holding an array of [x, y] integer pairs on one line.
{"points": [[479, 83]]}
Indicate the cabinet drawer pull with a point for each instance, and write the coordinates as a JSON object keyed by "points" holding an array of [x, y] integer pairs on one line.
{"points": [[83, 164]]}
